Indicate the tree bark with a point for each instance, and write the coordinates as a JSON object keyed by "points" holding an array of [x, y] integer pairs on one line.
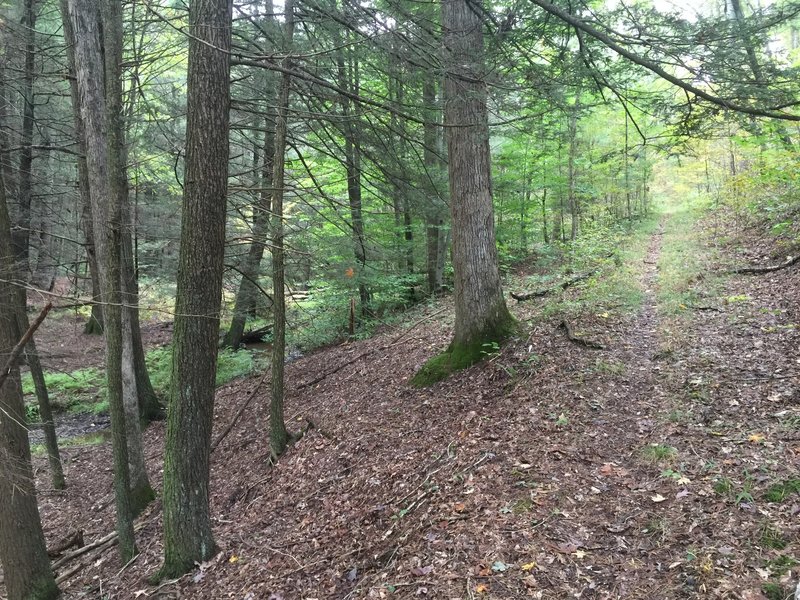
{"points": [[106, 226], [435, 210], [94, 325], [187, 524], [481, 313], [278, 435], [20, 238], [26, 566]]}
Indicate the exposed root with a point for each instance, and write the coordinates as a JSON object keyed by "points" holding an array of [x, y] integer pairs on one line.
{"points": [[579, 340]]}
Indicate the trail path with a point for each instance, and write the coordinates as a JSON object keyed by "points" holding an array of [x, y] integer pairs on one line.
{"points": [[646, 470]]}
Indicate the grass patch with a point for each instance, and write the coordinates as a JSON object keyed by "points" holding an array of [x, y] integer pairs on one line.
{"points": [[780, 491], [659, 453], [683, 265], [772, 538]]}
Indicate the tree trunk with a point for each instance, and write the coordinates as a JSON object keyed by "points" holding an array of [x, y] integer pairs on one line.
{"points": [[574, 207], [248, 291], [140, 491], [22, 223], [26, 566], [278, 436], [348, 80], [481, 313], [106, 226], [94, 325], [435, 210], [188, 538]]}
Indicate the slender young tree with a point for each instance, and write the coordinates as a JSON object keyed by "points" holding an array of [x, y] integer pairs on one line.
{"points": [[86, 22], [278, 436], [481, 313], [187, 524], [26, 566]]}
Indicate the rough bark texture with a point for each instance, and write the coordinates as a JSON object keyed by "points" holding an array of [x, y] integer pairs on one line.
{"points": [[95, 323], [106, 226], [481, 313], [26, 566], [278, 436], [187, 524], [141, 492]]}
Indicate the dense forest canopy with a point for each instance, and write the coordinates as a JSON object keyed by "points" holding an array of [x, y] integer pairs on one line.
{"points": [[301, 173]]}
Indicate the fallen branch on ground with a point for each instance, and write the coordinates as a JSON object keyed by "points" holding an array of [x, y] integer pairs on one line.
{"points": [[15, 353], [73, 539], [561, 286], [791, 260], [110, 539], [347, 363], [239, 412], [579, 340]]}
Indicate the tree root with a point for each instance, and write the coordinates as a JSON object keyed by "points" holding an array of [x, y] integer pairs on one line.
{"points": [[790, 260], [561, 286], [579, 340]]}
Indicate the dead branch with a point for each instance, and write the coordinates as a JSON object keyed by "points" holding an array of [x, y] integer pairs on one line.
{"points": [[240, 411], [347, 363], [790, 260], [67, 574], [579, 340], [15, 353], [75, 538], [561, 286], [110, 539]]}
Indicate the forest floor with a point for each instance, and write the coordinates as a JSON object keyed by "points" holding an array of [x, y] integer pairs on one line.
{"points": [[664, 465]]}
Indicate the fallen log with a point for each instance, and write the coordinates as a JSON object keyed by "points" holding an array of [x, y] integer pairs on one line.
{"points": [[561, 286], [73, 539], [790, 260], [579, 340], [256, 335]]}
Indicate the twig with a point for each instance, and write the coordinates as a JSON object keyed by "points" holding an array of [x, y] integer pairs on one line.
{"points": [[347, 363], [67, 574], [111, 538], [563, 285], [790, 260], [15, 353], [579, 340], [239, 412]]}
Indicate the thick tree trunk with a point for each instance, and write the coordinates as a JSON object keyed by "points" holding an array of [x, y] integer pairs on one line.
{"points": [[187, 524], [481, 313], [278, 435], [26, 566], [106, 226]]}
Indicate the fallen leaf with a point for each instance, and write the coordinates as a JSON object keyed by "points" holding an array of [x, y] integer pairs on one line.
{"points": [[499, 566], [530, 581], [352, 574], [421, 571], [459, 507], [683, 480], [481, 588], [755, 438], [607, 469], [528, 566], [580, 553], [138, 593], [682, 494], [658, 498], [233, 559]]}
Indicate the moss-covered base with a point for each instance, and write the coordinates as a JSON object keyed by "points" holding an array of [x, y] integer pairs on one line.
{"points": [[459, 356], [44, 589], [140, 498], [93, 327]]}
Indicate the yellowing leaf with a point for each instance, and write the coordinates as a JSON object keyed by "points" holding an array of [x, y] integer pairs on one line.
{"points": [[528, 566], [755, 438], [683, 480], [481, 588], [233, 559]]}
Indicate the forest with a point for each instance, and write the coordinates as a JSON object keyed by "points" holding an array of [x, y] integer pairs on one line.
{"points": [[394, 299]]}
